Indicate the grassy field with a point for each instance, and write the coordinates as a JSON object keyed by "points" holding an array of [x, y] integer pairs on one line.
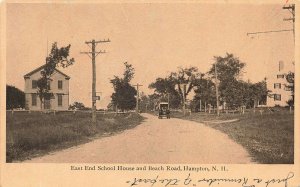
{"points": [[35, 134], [269, 138]]}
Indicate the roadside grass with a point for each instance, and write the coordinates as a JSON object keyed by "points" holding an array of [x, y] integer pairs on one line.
{"points": [[269, 138], [35, 134]]}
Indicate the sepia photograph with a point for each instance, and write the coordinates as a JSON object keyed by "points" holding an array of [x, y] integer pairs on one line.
{"points": [[127, 83], [169, 86]]}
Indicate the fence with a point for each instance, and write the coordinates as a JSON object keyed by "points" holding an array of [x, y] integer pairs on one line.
{"points": [[240, 110]]}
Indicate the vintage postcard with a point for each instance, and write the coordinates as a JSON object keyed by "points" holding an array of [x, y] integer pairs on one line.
{"points": [[150, 93]]}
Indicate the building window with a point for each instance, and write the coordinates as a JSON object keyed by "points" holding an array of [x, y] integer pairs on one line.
{"points": [[33, 99], [277, 86], [277, 97], [59, 99], [288, 88], [280, 76], [34, 84], [60, 84]]}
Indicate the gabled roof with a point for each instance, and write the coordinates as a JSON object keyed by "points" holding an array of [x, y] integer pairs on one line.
{"points": [[40, 68]]}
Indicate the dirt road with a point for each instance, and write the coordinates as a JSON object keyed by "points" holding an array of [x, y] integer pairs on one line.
{"points": [[156, 141]]}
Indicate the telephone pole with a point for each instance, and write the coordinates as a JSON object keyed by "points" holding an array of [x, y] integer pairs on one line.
{"points": [[137, 97], [94, 53], [217, 89], [183, 91], [168, 101], [291, 8]]}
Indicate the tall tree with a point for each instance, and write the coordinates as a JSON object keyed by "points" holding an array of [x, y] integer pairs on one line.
{"points": [[124, 93], [233, 91], [169, 87], [165, 88], [237, 94], [205, 91], [15, 98], [229, 68], [154, 99], [189, 76], [58, 57]]}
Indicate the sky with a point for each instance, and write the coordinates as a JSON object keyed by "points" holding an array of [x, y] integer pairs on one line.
{"points": [[155, 38]]}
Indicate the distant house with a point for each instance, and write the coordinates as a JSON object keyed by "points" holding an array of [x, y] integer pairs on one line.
{"points": [[59, 86], [280, 92]]}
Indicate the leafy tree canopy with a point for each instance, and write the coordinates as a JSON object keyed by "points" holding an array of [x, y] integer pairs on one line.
{"points": [[15, 98], [228, 67], [124, 94], [232, 91], [58, 57], [169, 87]]}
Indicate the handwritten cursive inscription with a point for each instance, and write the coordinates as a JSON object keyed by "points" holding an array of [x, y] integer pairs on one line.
{"points": [[203, 181]]}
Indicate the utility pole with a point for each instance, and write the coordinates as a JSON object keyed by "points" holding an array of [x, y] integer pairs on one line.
{"points": [[183, 90], [291, 8], [137, 97], [200, 106], [217, 89], [168, 101], [93, 57]]}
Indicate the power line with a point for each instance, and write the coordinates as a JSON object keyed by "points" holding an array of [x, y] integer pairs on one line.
{"points": [[93, 57], [262, 32], [291, 8]]}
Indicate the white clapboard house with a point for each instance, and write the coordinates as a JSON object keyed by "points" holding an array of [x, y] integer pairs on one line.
{"points": [[278, 86], [59, 86]]}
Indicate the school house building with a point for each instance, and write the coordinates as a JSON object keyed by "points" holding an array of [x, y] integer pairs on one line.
{"points": [[59, 87]]}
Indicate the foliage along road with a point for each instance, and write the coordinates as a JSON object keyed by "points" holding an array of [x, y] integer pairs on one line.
{"points": [[165, 141]]}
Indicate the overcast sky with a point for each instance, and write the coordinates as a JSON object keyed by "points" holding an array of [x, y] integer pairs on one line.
{"points": [[154, 38]]}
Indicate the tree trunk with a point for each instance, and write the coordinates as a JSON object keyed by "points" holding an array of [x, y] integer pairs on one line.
{"points": [[41, 103]]}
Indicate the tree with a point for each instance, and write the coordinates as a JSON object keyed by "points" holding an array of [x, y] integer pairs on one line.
{"points": [[77, 106], [228, 69], [169, 87], [237, 94], [165, 89], [144, 102], [204, 91], [154, 99], [58, 57], [15, 98], [291, 80], [124, 94], [234, 92], [259, 93], [189, 76]]}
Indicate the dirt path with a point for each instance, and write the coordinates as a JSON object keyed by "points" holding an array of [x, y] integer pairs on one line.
{"points": [[156, 141]]}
